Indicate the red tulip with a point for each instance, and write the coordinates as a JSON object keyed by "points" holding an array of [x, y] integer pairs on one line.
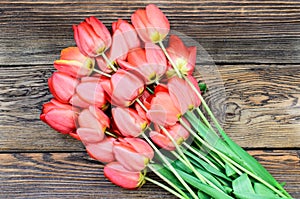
{"points": [[162, 110], [92, 37], [182, 94], [122, 177], [101, 150], [128, 32], [129, 123], [150, 62], [151, 24], [183, 57], [93, 121], [133, 153], [123, 88], [177, 132], [62, 86], [61, 117], [73, 62], [90, 91]]}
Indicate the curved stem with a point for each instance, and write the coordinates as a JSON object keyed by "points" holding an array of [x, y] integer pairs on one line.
{"points": [[183, 195], [109, 62], [170, 167], [228, 160], [169, 58], [102, 73]]}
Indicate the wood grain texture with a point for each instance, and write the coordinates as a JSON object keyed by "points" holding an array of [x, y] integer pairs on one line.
{"points": [[260, 107], [73, 175], [231, 31]]}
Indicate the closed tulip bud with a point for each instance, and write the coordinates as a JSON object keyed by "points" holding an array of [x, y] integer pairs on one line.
{"points": [[123, 88], [128, 32], [61, 117], [163, 110], [183, 57], [92, 37], [90, 91], [93, 121], [150, 63], [183, 94], [177, 132], [129, 123], [62, 86], [151, 24], [98, 149], [122, 177], [133, 153], [73, 62]]}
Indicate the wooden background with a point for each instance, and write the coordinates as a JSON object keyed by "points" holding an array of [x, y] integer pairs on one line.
{"points": [[255, 45]]}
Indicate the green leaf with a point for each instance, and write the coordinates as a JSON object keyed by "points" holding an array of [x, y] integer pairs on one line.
{"points": [[168, 174], [229, 171], [202, 195], [203, 87], [207, 166], [262, 189], [211, 178], [242, 184], [203, 187], [246, 195]]}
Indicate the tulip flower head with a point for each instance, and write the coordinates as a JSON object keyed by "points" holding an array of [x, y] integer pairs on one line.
{"points": [[123, 177], [177, 132], [163, 110], [133, 153], [61, 117], [151, 24], [62, 86], [150, 63], [92, 37], [128, 121], [73, 62], [183, 57], [123, 88], [182, 94]]}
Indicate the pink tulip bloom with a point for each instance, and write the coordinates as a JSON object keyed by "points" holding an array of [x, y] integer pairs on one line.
{"points": [[182, 94], [183, 57], [122, 177], [150, 63], [177, 132], [62, 86], [92, 37], [93, 121], [129, 123], [151, 24], [133, 153], [61, 117], [101, 150], [123, 88], [163, 110], [128, 32], [90, 91], [73, 62]]}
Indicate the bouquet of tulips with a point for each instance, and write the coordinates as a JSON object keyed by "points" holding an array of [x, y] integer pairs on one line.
{"points": [[134, 104]]}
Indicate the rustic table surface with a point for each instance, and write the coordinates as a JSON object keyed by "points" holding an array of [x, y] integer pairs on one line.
{"points": [[254, 44]]}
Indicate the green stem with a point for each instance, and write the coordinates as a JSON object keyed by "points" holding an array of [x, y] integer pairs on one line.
{"points": [[111, 134], [170, 166], [203, 117], [109, 62], [165, 187], [228, 160], [102, 73], [169, 58], [200, 155]]}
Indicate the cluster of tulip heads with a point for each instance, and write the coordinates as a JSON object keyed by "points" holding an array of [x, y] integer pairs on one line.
{"points": [[114, 88]]}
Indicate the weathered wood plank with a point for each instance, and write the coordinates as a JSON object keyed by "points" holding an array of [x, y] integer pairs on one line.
{"points": [[260, 108], [232, 32], [74, 175]]}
